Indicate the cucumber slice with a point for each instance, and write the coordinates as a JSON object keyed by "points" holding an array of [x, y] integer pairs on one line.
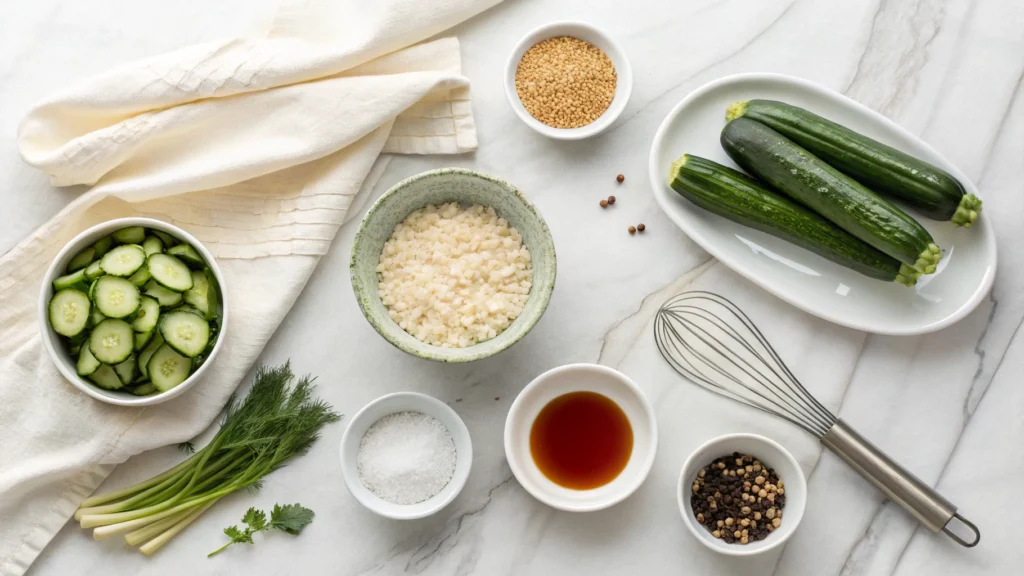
{"points": [[167, 368], [140, 277], [144, 389], [201, 359], [201, 296], [187, 308], [69, 280], [152, 245], [188, 255], [149, 313], [87, 363], [112, 341], [95, 317], [79, 338], [146, 354], [142, 339], [170, 272], [93, 271], [76, 348], [106, 378], [82, 259], [116, 297], [126, 370], [132, 235], [123, 260], [187, 333], [165, 297], [164, 237], [69, 312], [102, 245]]}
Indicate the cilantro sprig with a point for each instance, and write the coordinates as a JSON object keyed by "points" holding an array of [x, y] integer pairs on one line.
{"points": [[291, 518]]}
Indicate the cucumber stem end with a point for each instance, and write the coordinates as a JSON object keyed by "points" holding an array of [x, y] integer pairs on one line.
{"points": [[735, 110], [967, 212], [673, 171], [927, 261]]}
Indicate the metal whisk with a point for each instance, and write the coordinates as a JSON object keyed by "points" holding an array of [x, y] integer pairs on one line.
{"points": [[711, 342]]}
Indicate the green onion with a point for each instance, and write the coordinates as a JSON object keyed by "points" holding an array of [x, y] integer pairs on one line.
{"points": [[275, 422]]}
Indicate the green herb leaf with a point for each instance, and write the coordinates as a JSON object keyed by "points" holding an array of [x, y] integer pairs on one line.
{"points": [[238, 536], [187, 447], [291, 518], [256, 519]]}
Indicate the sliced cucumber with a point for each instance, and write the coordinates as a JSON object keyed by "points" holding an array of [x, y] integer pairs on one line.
{"points": [[93, 271], [201, 359], [149, 313], [69, 312], [154, 344], [82, 259], [106, 378], [126, 370], [164, 237], [165, 297], [69, 280], [95, 317], [188, 255], [116, 297], [142, 339], [187, 308], [75, 348], [123, 260], [152, 245], [187, 333], [87, 363], [140, 277], [144, 389], [201, 296], [167, 368], [112, 341], [78, 338], [102, 245], [132, 235], [170, 272]]}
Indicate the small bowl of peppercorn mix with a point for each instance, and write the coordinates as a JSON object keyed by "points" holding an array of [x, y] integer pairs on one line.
{"points": [[568, 80], [741, 494]]}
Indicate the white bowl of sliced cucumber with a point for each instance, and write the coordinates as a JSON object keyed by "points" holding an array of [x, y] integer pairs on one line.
{"points": [[131, 311]]}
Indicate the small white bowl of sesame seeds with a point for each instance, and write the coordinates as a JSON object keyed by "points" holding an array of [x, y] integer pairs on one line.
{"points": [[568, 80]]}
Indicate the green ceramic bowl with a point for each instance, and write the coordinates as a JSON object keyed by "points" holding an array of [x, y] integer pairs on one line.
{"points": [[438, 187]]}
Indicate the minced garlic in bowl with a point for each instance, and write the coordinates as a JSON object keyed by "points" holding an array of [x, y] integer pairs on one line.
{"points": [[454, 277]]}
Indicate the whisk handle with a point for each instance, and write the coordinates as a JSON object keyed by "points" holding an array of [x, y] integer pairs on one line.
{"points": [[899, 485]]}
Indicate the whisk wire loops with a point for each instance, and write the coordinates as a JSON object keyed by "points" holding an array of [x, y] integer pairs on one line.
{"points": [[710, 341]]}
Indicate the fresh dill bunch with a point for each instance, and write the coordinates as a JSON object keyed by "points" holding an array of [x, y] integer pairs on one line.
{"points": [[276, 421]]}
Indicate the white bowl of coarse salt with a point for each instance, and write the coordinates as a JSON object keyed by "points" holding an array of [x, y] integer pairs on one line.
{"points": [[406, 455]]}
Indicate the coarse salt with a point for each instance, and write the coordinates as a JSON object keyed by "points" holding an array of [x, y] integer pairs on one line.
{"points": [[406, 457]]}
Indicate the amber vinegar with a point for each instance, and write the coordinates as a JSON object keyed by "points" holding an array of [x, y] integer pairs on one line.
{"points": [[581, 440]]}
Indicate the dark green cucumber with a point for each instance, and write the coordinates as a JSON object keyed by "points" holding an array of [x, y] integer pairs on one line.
{"points": [[737, 197], [934, 192], [780, 163]]}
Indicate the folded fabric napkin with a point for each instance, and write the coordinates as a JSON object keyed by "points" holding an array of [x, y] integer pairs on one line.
{"points": [[258, 147]]}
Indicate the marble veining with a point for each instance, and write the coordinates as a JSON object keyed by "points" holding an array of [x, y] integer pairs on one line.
{"points": [[947, 405]]}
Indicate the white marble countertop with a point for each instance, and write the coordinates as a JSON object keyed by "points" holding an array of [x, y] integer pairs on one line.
{"points": [[947, 405]]}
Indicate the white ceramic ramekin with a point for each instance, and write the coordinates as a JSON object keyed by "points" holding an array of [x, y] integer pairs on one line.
{"points": [[587, 33], [772, 455]]}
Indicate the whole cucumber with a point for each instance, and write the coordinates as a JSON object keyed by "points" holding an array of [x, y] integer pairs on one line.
{"points": [[787, 167], [737, 197], [929, 189]]}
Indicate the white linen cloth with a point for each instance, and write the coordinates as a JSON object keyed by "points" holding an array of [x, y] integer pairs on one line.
{"points": [[258, 147]]}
